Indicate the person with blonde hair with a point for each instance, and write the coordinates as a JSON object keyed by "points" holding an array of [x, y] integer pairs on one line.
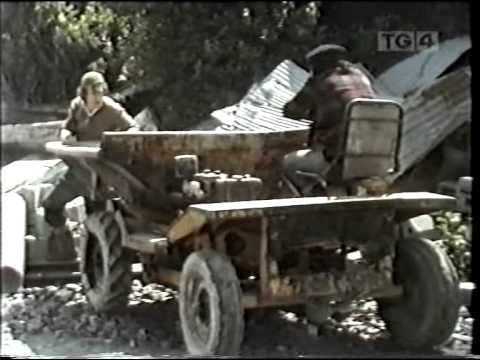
{"points": [[90, 114]]}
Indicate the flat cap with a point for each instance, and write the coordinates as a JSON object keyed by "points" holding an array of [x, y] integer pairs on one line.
{"points": [[93, 79], [327, 49]]}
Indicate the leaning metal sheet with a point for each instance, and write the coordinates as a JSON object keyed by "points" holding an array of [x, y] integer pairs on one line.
{"points": [[261, 109]]}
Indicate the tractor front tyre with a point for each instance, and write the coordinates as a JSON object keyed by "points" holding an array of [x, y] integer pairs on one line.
{"points": [[210, 305], [425, 315], [105, 265]]}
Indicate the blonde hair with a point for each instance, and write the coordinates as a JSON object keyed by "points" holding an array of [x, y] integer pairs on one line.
{"points": [[82, 89]]}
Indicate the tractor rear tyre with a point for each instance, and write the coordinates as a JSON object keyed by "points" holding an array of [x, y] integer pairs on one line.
{"points": [[425, 315], [105, 265], [210, 305]]}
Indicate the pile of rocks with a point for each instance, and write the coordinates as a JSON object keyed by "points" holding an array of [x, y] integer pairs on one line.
{"points": [[461, 340], [66, 311], [363, 322], [152, 319]]}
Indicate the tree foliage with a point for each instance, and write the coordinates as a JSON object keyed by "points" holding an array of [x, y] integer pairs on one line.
{"points": [[94, 25], [456, 240], [38, 63], [208, 54], [205, 55], [44, 57]]}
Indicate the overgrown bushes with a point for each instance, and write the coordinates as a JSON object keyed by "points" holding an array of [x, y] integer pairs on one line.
{"points": [[456, 241]]}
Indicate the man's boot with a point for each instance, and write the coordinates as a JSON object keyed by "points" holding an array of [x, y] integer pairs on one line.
{"points": [[60, 240]]}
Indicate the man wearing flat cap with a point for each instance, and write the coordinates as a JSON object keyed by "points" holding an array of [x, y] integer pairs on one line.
{"points": [[89, 115], [335, 81], [92, 112]]}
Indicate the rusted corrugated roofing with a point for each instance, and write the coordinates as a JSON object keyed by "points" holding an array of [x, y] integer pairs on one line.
{"points": [[432, 114], [261, 109]]}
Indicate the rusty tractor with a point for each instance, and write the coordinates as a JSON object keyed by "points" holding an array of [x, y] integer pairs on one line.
{"points": [[212, 214]]}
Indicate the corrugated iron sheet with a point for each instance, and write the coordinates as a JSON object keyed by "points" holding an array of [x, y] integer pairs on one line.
{"points": [[261, 109], [431, 114], [423, 68]]}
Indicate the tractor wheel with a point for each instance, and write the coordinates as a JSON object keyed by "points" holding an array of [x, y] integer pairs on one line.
{"points": [[105, 266], [426, 314], [210, 305]]}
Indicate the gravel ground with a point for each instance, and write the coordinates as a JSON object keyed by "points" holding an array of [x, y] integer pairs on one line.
{"points": [[59, 322]]}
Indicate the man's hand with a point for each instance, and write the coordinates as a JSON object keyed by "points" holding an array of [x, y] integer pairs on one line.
{"points": [[133, 129], [67, 137]]}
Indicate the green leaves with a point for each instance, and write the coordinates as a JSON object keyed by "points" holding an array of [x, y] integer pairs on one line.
{"points": [[206, 53], [456, 240], [97, 27], [90, 27]]}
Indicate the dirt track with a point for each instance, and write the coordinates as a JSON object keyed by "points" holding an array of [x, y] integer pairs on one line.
{"points": [[59, 322]]}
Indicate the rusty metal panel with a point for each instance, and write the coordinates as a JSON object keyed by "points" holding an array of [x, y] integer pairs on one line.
{"points": [[431, 114], [147, 154], [330, 228], [358, 278], [372, 138], [283, 83]]}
